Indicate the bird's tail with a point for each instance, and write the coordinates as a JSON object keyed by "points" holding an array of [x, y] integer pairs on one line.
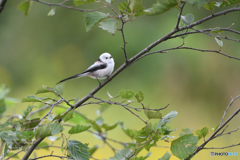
{"points": [[72, 77]]}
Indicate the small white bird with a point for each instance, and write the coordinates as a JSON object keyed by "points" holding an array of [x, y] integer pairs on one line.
{"points": [[101, 69]]}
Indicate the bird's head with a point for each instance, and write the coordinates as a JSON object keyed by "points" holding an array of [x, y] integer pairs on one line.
{"points": [[106, 58]]}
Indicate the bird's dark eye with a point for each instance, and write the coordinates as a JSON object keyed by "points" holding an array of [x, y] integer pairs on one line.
{"points": [[106, 57], [110, 57]]}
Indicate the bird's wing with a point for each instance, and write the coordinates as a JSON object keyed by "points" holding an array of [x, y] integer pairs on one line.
{"points": [[96, 66]]}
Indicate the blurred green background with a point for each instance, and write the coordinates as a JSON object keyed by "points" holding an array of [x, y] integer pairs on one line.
{"points": [[38, 50]]}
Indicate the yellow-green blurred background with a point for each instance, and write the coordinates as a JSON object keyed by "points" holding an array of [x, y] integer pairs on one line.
{"points": [[38, 50]]}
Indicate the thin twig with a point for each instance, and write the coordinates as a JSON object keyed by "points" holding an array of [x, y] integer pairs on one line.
{"points": [[196, 49], [234, 145], [237, 40], [203, 30], [180, 14], [48, 113], [222, 134], [230, 104], [125, 105], [68, 7], [50, 155]]}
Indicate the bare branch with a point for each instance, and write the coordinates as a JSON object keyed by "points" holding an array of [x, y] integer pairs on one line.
{"points": [[125, 105], [31, 149], [234, 145], [237, 40], [50, 155], [180, 14], [230, 104], [203, 30], [196, 49], [123, 36], [68, 7], [235, 130]]}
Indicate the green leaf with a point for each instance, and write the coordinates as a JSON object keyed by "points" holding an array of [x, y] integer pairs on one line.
{"points": [[11, 101], [44, 144], [108, 128], [136, 7], [27, 111], [122, 154], [218, 4], [51, 12], [124, 7], [215, 128], [95, 126], [222, 3], [93, 18], [109, 25], [152, 114], [216, 30], [188, 18], [78, 150], [28, 124], [25, 6], [2, 106], [48, 130], [202, 133], [53, 138], [196, 3], [139, 96], [219, 41], [78, 129], [56, 128], [51, 117], [131, 133], [60, 116], [10, 138], [184, 146], [166, 119], [45, 89], [186, 131], [80, 2], [127, 94], [93, 149], [166, 156], [161, 6], [103, 107], [149, 145], [33, 98], [210, 6], [43, 131], [5, 150], [69, 115], [142, 157], [28, 135], [4, 91], [109, 1], [78, 118]]}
